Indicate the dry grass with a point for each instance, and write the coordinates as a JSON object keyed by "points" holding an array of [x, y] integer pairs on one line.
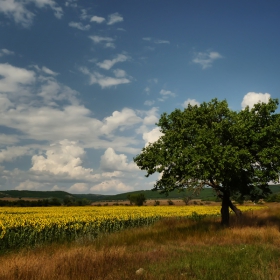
{"points": [[171, 249]]}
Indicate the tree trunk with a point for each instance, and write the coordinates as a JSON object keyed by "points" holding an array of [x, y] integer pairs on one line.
{"points": [[225, 209], [237, 212], [226, 204]]}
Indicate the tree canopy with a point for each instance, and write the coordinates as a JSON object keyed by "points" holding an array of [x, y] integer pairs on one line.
{"points": [[235, 153]]}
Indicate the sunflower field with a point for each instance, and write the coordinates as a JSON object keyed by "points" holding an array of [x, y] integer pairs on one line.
{"points": [[24, 227]]}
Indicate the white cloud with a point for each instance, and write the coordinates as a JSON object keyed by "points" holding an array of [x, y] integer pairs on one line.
{"points": [[122, 120], [108, 64], [78, 188], [79, 25], [108, 41], [104, 81], [58, 188], [151, 116], [192, 102], [111, 186], [49, 71], [111, 161], [11, 153], [156, 41], [149, 102], [64, 157], [252, 98], [84, 14], [4, 52], [58, 12], [114, 18], [165, 94], [161, 42], [14, 78], [97, 19], [119, 73], [152, 136], [29, 185], [18, 10], [206, 59]]}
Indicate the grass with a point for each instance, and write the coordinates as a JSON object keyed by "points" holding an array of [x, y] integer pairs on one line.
{"points": [[170, 249]]}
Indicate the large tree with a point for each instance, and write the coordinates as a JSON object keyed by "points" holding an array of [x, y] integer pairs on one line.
{"points": [[235, 153]]}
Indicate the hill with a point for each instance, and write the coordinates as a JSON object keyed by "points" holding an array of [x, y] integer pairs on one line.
{"points": [[205, 194]]}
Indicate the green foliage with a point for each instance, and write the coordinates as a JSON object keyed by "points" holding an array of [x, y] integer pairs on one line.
{"points": [[273, 198], [137, 199], [232, 152]]}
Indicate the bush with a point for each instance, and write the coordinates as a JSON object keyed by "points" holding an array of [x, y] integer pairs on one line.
{"points": [[170, 202], [157, 202], [137, 199], [187, 199], [273, 198]]}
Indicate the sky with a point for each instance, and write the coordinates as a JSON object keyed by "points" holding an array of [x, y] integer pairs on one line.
{"points": [[83, 83]]}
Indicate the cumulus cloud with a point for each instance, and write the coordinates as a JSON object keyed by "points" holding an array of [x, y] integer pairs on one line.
{"points": [[108, 64], [104, 81], [107, 41], [206, 59], [78, 188], [30, 185], [64, 157], [252, 98], [20, 13], [190, 101], [97, 19], [111, 186], [114, 18], [121, 120], [112, 161], [79, 25], [152, 136]]}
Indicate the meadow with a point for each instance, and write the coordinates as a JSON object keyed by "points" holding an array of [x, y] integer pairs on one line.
{"points": [[167, 242]]}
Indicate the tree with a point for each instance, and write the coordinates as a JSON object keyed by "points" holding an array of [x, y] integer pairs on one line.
{"points": [[138, 199], [235, 153]]}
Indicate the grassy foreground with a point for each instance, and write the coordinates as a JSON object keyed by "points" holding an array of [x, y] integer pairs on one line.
{"points": [[170, 249]]}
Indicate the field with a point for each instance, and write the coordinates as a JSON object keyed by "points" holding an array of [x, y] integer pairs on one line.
{"points": [[194, 246]]}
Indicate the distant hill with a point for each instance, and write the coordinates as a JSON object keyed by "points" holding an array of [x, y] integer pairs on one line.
{"points": [[48, 195], [206, 194]]}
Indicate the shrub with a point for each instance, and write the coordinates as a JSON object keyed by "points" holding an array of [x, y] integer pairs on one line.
{"points": [[170, 202], [137, 199]]}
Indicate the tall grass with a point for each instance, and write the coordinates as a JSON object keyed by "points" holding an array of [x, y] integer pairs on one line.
{"points": [[170, 249]]}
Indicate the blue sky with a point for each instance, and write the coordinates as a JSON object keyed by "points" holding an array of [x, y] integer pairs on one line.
{"points": [[82, 83]]}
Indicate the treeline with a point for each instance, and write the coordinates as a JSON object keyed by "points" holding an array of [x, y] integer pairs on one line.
{"points": [[44, 202]]}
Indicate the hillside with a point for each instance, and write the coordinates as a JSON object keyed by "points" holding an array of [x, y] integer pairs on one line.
{"points": [[48, 195], [205, 194]]}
